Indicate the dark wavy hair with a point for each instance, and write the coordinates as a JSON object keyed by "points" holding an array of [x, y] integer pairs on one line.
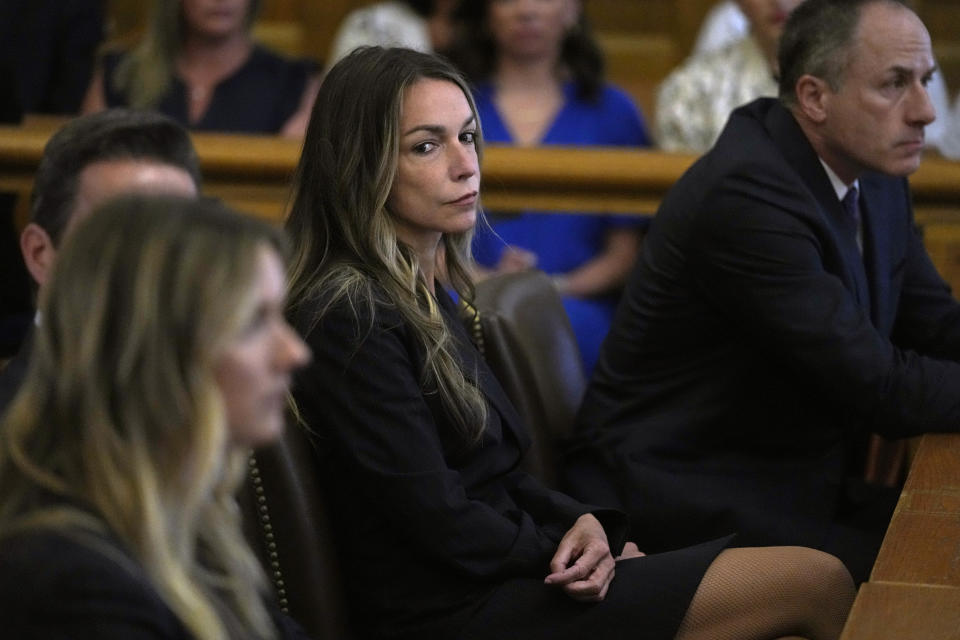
{"points": [[475, 51], [114, 134], [345, 245]]}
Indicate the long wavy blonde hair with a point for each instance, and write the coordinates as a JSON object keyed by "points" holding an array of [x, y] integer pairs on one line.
{"points": [[120, 426], [144, 76], [345, 244]]}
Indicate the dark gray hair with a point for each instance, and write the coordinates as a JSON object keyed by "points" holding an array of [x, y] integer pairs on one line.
{"points": [[817, 41]]}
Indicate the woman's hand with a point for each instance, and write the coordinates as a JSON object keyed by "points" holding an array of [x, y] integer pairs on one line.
{"points": [[630, 550], [515, 259], [583, 566]]}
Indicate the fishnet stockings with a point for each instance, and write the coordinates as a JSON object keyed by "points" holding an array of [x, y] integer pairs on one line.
{"points": [[770, 593]]}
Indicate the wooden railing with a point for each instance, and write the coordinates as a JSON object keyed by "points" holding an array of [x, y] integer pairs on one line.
{"points": [[253, 173], [914, 591]]}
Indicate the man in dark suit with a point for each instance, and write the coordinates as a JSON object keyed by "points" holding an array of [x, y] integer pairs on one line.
{"points": [[783, 307], [91, 159]]}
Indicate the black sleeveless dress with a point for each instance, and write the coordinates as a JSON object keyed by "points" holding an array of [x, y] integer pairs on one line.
{"points": [[258, 98]]}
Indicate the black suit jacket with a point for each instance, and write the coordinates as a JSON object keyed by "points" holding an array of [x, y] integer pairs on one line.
{"points": [[426, 525], [47, 51], [744, 366], [77, 585]]}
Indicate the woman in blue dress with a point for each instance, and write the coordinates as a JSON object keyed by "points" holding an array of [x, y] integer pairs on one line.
{"points": [[538, 80]]}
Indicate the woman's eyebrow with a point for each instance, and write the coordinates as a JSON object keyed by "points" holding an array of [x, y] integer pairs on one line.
{"points": [[437, 128]]}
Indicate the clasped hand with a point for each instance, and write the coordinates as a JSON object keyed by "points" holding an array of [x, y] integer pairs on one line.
{"points": [[583, 565]]}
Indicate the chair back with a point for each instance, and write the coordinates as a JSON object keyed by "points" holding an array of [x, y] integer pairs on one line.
{"points": [[286, 523], [522, 330]]}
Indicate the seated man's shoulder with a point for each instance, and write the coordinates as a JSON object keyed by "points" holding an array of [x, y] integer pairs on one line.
{"points": [[736, 176]]}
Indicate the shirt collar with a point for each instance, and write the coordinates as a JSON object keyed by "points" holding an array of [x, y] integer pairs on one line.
{"points": [[839, 186]]}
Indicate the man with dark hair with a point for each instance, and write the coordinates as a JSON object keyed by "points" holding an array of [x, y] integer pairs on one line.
{"points": [[783, 307], [92, 159]]}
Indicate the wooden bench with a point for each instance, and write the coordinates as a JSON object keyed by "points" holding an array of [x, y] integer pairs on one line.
{"points": [[914, 589]]}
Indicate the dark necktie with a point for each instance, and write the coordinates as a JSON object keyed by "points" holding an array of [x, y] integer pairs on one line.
{"points": [[850, 228], [850, 223]]}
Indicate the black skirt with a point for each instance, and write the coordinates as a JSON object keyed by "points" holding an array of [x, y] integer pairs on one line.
{"points": [[648, 599]]}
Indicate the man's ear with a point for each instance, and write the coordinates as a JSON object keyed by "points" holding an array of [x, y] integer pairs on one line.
{"points": [[38, 251], [813, 94]]}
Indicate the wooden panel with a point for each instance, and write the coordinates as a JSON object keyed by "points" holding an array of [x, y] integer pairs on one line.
{"points": [[904, 612], [914, 589], [942, 18], [920, 548], [631, 16], [283, 36], [933, 502], [280, 10], [690, 15], [253, 172], [936, 465], [604, 180], [678, 20], [125, 19], [655, 54], [321, 20]]}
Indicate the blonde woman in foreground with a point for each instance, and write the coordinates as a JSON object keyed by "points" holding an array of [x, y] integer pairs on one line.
{"points": [[161, 358]]}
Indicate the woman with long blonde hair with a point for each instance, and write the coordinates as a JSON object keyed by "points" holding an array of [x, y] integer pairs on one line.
{"points": [[440, 533], [162, 356]]}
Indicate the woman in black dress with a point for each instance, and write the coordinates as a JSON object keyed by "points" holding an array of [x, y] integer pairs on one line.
{"points": [[198, 63], [440, 534]]}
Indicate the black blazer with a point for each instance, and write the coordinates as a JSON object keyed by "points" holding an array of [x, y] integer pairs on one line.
{"points": [[427, 526], [745, 366], [75, 585], [48, 49], [78, 586]]}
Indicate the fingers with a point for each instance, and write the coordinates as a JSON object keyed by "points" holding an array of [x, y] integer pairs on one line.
{"points": [[587, 558], [594, 588], [587, 576], [516, 259], [561, 559], [584, 545], [579, 570], [630, 550]]}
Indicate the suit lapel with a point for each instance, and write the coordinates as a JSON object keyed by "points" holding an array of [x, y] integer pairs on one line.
{"points": [[473, 362], [798, 152]]}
